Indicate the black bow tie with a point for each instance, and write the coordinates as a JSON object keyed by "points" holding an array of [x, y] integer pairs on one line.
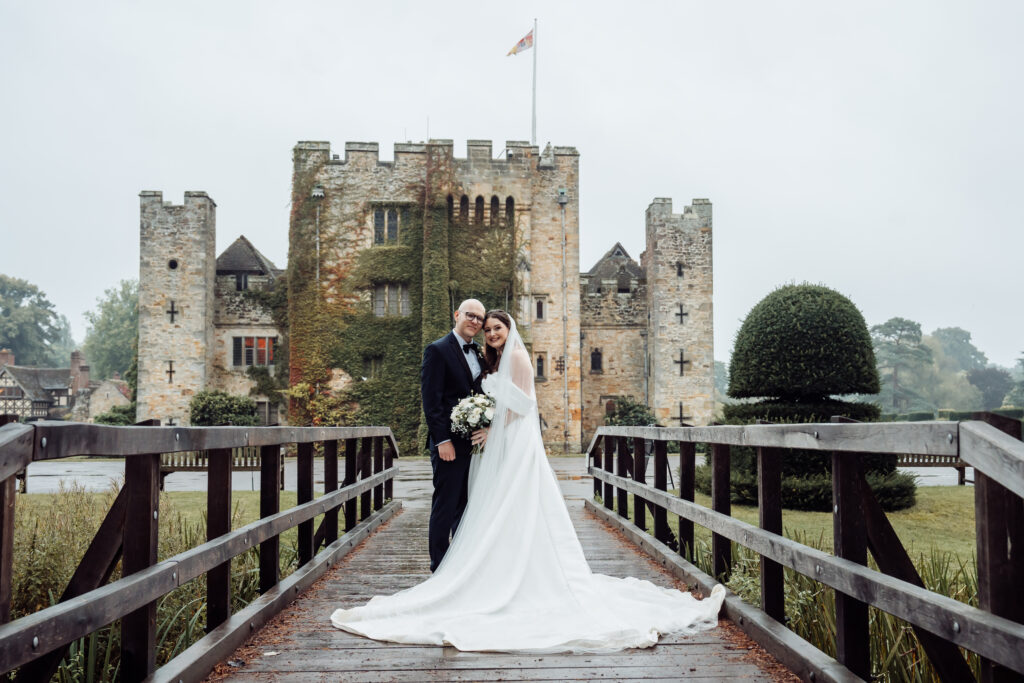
{"points": [[469, 348]]}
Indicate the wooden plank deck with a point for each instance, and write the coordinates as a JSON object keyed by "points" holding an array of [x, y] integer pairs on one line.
{"points": [[300, 644]]}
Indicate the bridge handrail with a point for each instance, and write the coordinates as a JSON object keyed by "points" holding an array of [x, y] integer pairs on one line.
{"points": [[35, 643], [994, 630]]}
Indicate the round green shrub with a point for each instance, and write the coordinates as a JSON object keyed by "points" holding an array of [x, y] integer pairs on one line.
{"points": [[803, 342]]}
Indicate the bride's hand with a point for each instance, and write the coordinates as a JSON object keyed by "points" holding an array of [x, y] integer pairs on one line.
{"points": [[480, 437]]}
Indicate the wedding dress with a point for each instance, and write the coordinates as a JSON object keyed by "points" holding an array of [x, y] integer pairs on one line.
{"points": [[515, 577]]}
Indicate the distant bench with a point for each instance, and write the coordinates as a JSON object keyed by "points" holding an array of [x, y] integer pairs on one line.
{"points": [[911, 460], [245, 459]]}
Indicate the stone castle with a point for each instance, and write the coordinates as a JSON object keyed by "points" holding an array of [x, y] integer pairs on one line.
{"points": [[380, 252]]}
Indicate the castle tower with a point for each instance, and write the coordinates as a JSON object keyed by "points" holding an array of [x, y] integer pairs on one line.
{"points": [[177, 275], [680, 328]]}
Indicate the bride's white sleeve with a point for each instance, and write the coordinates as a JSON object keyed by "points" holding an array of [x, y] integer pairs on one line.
{"points": [[518, 394]]}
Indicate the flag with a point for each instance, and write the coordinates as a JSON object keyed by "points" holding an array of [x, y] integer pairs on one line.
{"points": [[525, 44]]}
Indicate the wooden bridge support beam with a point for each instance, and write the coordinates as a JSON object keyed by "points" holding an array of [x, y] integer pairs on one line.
{"points": [[7, 494], [378, 466], [365, 467], [609, 466], [351, 458], [721, 547], [999, 524], [138, 629], [270, 504], [389, 461], [330, 522], [687, 483], [661, 528], [304, 494], [639, 475], [218, 522], [769, 492], [623, 469], [595, 456]]}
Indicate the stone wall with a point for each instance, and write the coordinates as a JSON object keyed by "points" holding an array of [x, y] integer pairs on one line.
{"points": [[177, 263], [678, 265]]}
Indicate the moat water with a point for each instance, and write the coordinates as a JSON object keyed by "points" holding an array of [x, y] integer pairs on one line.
{"points": [[50, 476]]}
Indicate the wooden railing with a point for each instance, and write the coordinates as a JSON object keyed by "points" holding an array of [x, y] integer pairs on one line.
{"points": [[34, 644], [994, 630]]}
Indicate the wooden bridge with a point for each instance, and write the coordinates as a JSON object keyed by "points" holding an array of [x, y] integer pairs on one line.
{"points": [[359, 511]]}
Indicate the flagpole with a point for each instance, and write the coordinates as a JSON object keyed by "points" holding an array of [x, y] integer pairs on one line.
{"points": [[533, 130]]}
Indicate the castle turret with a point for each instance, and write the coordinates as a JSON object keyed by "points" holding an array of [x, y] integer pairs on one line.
{"points": [[177, 274], [680, 327]]}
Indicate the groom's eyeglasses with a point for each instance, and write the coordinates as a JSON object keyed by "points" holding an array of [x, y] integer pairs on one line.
{"points": [[473, 317]]}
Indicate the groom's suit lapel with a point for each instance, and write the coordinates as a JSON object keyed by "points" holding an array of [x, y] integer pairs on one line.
{"points": [[456, 345]]}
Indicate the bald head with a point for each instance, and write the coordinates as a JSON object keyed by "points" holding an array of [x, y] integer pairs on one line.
{"points": [[469, 318]]}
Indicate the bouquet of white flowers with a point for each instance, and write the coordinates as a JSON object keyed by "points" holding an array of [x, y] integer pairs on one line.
{"points": [[472, 413]]}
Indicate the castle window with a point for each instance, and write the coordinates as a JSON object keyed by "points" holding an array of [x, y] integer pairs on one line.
{"points": [[478, 214], [173, 264], [266, 411], [390, 298], [372, 366], [623, 283], [378, 226], [510, 212], [464, 209], [609, 407], [451, 208], [385, 226], [595, 361], [241, 282], [679, 269], [247, 351], [495, 206], [540, 365], [540, 309]]}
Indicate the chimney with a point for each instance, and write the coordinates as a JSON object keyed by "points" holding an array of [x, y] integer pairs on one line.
{"points": [[83, 378], [76, 373], [6, 357]]}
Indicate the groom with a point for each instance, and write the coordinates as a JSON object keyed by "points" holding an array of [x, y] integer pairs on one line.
{"points": [[451, 371]]}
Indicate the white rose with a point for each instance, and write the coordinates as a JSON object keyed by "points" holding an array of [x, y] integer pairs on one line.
{"points": [[489, 413]]}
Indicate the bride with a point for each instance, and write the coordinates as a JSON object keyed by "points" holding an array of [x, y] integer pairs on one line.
{"points": [[515, 578]]}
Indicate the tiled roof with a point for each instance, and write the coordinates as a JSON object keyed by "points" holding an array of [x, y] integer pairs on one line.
{"points": [[242, 257], [616, 260], [36, 382]]}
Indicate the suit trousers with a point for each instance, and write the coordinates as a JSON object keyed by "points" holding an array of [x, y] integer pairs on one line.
{"points": [[451, 489]]}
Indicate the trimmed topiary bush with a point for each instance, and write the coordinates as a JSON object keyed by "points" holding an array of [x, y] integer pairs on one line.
{"points": [[215, 408], [797, 348]]}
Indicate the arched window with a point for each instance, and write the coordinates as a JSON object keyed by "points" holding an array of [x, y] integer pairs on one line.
{"points": [[609, 407], [478, 214], [464, 209], [540, 309], [595, 360], [451, 208], [510, 212], [540, 366], [495, 206], [623, 282]]}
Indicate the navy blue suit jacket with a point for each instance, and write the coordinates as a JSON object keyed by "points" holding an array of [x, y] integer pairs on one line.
{"points": [[445, 379]]}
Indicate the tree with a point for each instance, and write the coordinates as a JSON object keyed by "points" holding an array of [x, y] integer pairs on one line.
{"points": [[994, 383], [60, 350], [1016, 395], [796, 350], [942, 383], [28, 323], [215, 408], [112, 339], [899, 350], [956, 344], [629, 412]]}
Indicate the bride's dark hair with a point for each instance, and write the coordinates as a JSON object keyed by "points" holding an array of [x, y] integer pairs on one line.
{"points": [[491, 355]]}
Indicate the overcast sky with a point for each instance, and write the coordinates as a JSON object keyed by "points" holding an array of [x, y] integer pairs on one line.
{"points": [[874, 147]]}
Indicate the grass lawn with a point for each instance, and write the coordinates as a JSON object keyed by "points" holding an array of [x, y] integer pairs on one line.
{"points": [[942, 520]]}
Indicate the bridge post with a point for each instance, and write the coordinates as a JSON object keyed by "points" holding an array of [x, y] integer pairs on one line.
{"points": [[270, 504], [218, 522], [623, 470], [351, 456], [661, 530], [138, 629], [330, 484], [304, 494], [640, 476], [999, 523], [7, 494], [378, 466], [769, 510], [687, 477], [609, 467], [595, 458], [721, 547], [365, 467], [853, 647], [389, 461]]}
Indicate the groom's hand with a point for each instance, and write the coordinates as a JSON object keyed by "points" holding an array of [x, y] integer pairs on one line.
{"points": [[446, 451]]}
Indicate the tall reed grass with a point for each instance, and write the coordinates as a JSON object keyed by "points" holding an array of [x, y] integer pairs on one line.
{"points": [[53, 533]]}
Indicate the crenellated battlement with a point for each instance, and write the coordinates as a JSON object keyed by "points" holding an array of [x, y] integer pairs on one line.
{"points": [[156, 197], [478, 152]]}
